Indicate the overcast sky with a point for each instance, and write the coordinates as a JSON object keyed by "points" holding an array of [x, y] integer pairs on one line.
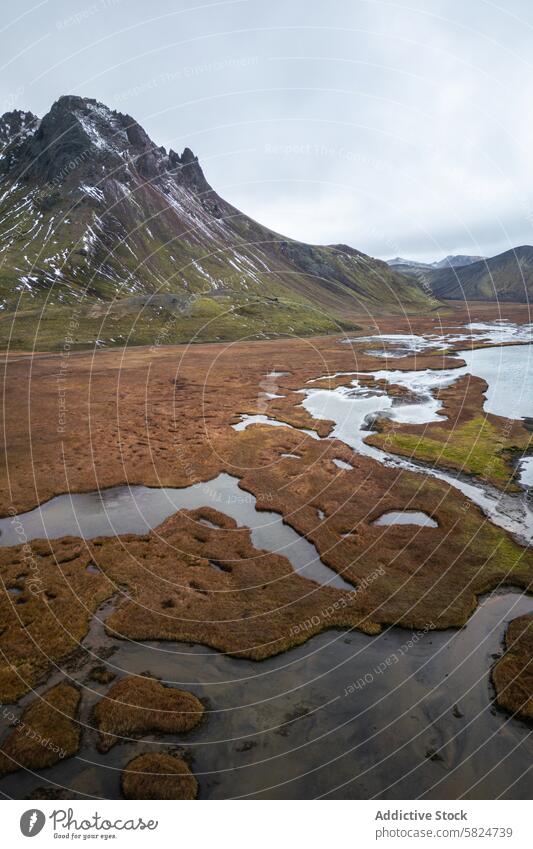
{"points": [[401, 128]]}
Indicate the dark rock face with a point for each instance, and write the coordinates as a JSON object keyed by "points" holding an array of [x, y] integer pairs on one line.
{"points": [[59, 141], [15, 127], [84, 136], [189, 172]]}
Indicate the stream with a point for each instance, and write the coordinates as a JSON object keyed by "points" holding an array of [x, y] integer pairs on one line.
{"points": [[509, 375], [138, 509]]}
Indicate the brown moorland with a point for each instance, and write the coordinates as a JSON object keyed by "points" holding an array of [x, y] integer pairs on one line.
{"points": [[45, 734], [57, 595], [137, 705], [158, 776], [166, 585], [161, 417], [513, 674], [79, 421]]}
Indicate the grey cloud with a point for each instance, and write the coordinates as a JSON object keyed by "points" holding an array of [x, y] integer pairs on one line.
{"points": [[399, 127]]}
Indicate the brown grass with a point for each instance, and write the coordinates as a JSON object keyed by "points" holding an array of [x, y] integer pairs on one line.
{"points": [[46, 732], [47, 621], [513, 674], [138, 705], [253, 610], [158, 776], [157, 433], [172, 410]]}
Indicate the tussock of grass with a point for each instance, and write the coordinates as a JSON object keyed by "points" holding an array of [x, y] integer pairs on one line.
{"points": [[138, 705], [46, 732], [158, 776], [513, 674], [470, 447], [51, 615]]}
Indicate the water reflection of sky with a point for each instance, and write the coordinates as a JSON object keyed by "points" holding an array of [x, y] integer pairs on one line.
{"points": [[398, 345]]}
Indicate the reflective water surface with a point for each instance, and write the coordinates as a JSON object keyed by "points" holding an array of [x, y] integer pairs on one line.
{"points": [[326, 718], [138, 509], [406, 517]]}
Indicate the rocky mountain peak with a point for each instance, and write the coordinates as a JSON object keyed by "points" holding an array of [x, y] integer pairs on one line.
{"points": [[82, 135], [188, 171], [16, 125], [92, 209], [15, 128]]}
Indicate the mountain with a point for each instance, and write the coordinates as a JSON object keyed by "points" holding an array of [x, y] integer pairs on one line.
{"points": [[98, 220], [400, 263], [456, 261], [506, 277], [411, 266]]}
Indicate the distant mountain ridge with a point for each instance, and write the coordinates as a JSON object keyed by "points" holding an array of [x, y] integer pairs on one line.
{"points": [[451, 261], [505, 277], [94, 214], [456, 261]]}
